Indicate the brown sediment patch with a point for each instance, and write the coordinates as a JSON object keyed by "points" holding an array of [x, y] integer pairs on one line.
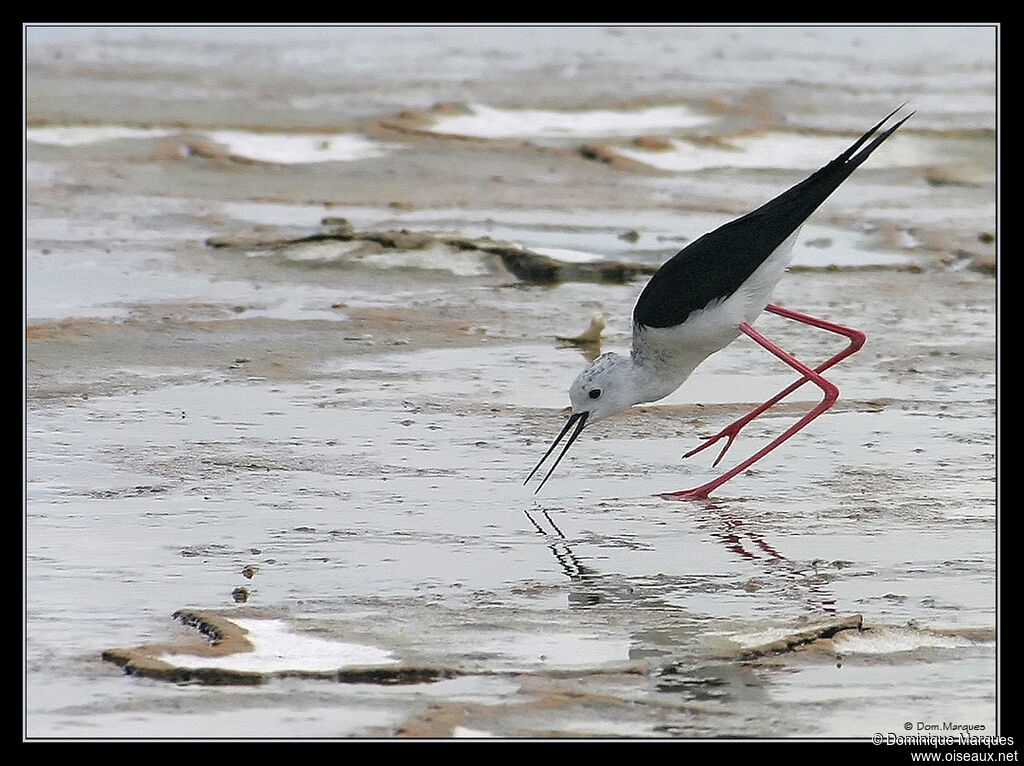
{"points": [[420, 122], [799, 640], [957, 174], [386, 321], [609, 155], [66, 330], [820, 637], [978, 249], [653, 143], [547, 695], [225, 638], [971, 634], [523, 263]]}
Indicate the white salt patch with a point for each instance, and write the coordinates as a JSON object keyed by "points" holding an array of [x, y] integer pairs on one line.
{"points": [[566, 255], [491, 122], [891, 640], [775, 151], [281, 148], [74, 135], [278, 648], [288, 148], [873, 641]]}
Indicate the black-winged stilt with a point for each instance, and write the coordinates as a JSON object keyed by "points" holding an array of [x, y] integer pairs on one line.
{"points": [[701, 300]]}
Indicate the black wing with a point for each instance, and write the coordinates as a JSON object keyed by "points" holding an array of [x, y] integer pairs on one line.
{"points": [[714, 266]]}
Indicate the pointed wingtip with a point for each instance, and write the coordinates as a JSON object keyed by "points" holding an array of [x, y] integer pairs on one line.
{"points": [[901, 120], [892, 114], [855, 155], [890, 130]]}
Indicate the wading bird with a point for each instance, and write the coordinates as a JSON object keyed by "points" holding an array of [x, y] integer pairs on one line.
{"points": [[701, 300]]}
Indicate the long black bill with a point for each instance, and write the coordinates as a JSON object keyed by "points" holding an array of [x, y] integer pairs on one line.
{"points": [[577, 418]]}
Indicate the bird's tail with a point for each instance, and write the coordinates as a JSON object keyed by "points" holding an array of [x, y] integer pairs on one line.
{"points": [[804, 198]]}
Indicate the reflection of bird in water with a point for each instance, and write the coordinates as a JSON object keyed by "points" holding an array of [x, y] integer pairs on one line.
{"points": [[798, 578], [732, 535], [572, 567], [738, 539]]}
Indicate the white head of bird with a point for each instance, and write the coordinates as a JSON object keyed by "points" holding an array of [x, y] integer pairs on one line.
{"points": [[609, 384], [605, 386]]}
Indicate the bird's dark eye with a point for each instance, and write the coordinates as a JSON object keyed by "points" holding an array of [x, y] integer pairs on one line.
{"points": [[595, 393]]}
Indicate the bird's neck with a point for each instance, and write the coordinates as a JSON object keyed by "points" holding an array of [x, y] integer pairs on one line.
{"points": [[652, 381]]}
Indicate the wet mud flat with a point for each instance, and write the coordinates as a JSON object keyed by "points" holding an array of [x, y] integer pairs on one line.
{"points": [[377, 502], [279, 413], [359, 480]]}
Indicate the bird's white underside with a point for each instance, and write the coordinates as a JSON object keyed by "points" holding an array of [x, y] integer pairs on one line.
{"points": [[666, 356]]}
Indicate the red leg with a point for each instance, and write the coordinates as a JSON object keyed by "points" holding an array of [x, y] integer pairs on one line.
{"points": [[831, 394], [856, 338]]}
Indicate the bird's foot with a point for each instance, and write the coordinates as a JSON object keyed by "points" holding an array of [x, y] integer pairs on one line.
{"points": [[728, 433], [699, 493]]}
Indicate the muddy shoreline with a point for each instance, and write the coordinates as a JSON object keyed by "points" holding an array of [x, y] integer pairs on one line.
{"points": [[322, 377]]}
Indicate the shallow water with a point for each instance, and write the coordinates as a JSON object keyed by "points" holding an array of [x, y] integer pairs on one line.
{"points": [[342, 431]]}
